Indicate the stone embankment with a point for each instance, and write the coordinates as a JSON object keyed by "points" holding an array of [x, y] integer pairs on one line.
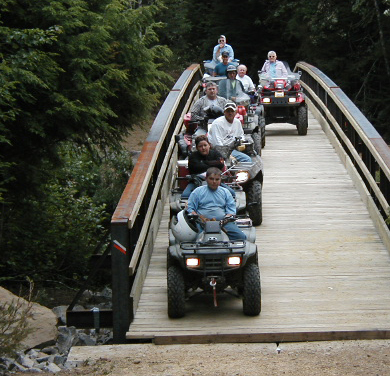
{"points": [[46, 348]]}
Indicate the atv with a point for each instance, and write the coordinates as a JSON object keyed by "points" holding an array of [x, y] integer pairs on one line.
{"points": [[283, 100], [245, 178], [208, 262], [251, 124], [245, 108], [209, 66]]}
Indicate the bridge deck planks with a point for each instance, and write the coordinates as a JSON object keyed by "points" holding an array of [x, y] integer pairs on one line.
{"points": [[325, 273]]}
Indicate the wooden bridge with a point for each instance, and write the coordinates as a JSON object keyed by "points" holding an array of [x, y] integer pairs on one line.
{"points": [[323, 245], [325, 272]]}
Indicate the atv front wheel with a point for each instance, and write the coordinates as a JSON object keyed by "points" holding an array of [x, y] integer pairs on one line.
{"points": [[302, 120], [262, 130], [254, 202], [176, 293], [256, 142], [252, 290]]}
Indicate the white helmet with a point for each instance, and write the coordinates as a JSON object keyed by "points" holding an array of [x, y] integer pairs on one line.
{"points": [[183, 230]]}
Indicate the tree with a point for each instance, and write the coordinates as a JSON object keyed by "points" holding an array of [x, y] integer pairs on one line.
{"points": [[71, 71], [76, 71]]}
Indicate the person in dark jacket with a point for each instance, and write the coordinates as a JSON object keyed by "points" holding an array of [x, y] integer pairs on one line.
{"points": [[200, 160]]}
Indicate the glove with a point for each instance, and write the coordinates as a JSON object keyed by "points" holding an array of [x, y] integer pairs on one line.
{"points": [[197, 180], [237, 143]]}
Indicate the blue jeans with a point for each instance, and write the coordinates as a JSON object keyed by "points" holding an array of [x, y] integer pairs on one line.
{"points": [[191, 186], [241, 157], [232, 230]]}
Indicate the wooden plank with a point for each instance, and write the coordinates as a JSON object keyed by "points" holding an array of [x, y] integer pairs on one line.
{"points": [[325, 272]]}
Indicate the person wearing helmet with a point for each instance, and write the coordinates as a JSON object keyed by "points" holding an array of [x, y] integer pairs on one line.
{"points": [[274, 68], [212, 201], [226, 129], [231, 88], [200, 160], [211, 98], [220, 69], [221, 47]]}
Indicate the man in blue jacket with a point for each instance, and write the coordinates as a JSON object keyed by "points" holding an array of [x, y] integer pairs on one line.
{"points": [[212, 201]]}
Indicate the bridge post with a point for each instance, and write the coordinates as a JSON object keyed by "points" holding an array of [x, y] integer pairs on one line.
{"points": [[122, 305]]}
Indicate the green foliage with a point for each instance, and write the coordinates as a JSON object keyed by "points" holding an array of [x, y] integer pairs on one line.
{"points": [[76, 71], [52, 235], [14, 323], [74, 77]]}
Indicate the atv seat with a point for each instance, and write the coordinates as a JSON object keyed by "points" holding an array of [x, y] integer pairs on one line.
{"points": [[212, 227]]}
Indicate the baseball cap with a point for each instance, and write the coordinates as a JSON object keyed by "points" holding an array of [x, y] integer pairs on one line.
{"points": [[225, 53], [231, 105]]}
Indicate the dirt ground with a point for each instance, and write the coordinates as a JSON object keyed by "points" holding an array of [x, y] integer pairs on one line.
{"points": [[137, 136], [352, 358]]}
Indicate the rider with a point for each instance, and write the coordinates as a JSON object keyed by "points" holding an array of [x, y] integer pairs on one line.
{"points": [[220, 68], [231, 88], [226, 129], [221, 47], [210, 99], [212, 201], [200, 160], [274, 68], [246, 80]]}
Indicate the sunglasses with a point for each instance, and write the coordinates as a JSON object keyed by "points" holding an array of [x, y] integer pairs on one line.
{"points": [[272, 56]]}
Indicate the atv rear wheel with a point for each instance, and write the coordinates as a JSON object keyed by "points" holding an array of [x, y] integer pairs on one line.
{"points": [[256, 142], [302, 120], [252, 290], [176, 293], [262, 130], [254, 202]]}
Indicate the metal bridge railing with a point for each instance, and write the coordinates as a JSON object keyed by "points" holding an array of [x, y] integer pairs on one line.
{"points": [[136, 219], [361, 142]]}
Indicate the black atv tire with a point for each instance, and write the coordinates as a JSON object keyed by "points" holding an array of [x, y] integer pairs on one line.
{"points": [[176, 293], [302, 120], [251, 295], [256, 142], [262, 130], [254, 202]]}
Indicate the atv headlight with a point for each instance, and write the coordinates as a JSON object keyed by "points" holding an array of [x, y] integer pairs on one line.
{"points": [[242, 176], [292, 100], [266, 100], [234, 260], [192, 262]]}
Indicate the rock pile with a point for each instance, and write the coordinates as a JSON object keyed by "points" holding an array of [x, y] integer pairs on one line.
{"points": [[51, 355]]}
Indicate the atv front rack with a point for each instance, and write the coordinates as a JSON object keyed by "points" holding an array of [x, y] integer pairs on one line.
{"points": [[230, 246]]}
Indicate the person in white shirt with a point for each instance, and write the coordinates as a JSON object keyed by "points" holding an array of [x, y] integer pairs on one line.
{"points": [[246, 80], [226, 129]]}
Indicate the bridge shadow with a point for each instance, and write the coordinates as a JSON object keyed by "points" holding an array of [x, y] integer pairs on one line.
{"points": [[281, 129], [203, 305]]}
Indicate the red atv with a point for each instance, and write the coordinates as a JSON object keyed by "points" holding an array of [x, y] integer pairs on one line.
{"points": [[283, 100]]}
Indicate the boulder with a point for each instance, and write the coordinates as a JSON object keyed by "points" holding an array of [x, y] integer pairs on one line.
{"points": [[42, 322]]}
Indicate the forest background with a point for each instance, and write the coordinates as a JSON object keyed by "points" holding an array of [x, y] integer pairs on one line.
{"points": [[76, 76]]}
